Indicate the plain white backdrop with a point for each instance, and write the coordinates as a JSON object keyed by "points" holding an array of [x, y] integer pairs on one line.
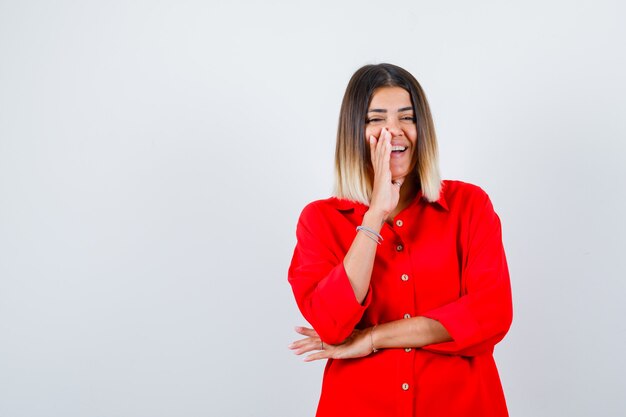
{"points": [[155, 156]]}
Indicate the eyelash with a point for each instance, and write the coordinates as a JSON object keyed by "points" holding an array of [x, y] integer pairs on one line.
{"points": [[409, 118]]}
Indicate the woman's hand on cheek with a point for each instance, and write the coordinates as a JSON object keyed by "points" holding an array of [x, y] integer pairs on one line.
{"points": [[385, 193]]}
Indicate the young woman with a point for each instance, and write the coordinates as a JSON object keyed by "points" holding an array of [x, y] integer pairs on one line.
{"points": [[402, 276]]}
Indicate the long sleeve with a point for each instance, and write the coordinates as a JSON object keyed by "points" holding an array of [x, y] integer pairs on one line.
{"points": [[482, 315], [318, 278]]}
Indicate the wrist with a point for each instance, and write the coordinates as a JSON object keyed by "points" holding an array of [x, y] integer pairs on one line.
{"points": [[374, 219], [372, 341]]}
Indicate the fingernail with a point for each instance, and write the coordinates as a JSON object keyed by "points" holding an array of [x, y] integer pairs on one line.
{"points": [[372, 139]]}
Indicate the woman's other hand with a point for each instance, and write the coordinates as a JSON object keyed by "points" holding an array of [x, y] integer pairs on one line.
{"points": [[357, 345], [385, 193]]}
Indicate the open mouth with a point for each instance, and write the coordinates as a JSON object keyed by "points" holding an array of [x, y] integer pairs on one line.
{"points": [[398, 149]]}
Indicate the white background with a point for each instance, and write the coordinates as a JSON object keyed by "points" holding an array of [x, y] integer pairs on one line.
{"points": [[155, 156]]}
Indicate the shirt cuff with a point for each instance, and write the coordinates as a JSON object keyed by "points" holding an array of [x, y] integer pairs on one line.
{"points": [[458, 320], [338, 297]]}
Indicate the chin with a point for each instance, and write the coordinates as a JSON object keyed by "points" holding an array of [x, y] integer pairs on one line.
{"points": [[395, 174]]}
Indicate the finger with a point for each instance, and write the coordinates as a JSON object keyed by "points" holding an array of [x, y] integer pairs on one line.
{"points": [[372, 141], [305, 345], [317, 356], [388, 134], [387, 148], [306, 331], [381, 136], [380, 142], [299, 343], [381, 149], [308, 348]]}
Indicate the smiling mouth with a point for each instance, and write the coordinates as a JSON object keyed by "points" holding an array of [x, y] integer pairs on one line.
{"points": [[398, 149]]}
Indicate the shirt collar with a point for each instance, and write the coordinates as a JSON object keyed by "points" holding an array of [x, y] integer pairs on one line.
{"points": [[441, 201], [360, 208]]}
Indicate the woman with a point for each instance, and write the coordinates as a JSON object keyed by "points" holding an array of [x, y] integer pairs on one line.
{"points": [[402, 276]]}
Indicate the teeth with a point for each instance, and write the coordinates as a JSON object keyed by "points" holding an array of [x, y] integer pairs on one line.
{"points": [[398, 148]]}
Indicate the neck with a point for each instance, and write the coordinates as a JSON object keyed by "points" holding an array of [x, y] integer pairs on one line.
{"points": [[408, 191]]}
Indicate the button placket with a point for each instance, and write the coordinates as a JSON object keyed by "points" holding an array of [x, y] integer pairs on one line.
{"points": [[406, 303]]}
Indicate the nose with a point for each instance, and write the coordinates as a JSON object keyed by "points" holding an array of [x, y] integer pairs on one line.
{"points": [[393, 126]]}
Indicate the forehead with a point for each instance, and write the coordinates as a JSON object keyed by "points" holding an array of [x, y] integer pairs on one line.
{"points": [[390, 98]]}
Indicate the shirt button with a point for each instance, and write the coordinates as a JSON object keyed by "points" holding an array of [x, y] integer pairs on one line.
{"points": [[405, 277], [407, 316], [407, 349], [399, 248], [399, 223], [405, 386]]}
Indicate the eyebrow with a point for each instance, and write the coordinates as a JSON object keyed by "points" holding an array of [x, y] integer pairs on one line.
{"points": [[385, 110]]}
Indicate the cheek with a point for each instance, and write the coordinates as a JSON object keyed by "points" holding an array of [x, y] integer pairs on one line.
{"points": [[412, 136], [372, 131]]}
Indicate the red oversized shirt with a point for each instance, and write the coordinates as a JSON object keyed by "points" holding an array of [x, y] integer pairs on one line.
{"points": [[442, 260]]}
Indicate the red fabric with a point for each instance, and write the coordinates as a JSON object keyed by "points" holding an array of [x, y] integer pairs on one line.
{"points": [[457, 274]]}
